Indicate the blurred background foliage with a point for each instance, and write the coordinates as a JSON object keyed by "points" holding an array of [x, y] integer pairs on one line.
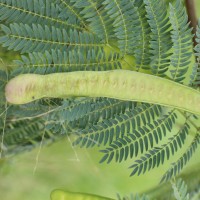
{"points": [[33, 175]]}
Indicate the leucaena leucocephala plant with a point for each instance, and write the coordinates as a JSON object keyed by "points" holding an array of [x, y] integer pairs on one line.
{"points": [[118, 74]]}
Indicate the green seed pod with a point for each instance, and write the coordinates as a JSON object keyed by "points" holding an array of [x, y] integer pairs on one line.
{"points": [[64, 195], [118, 84]]}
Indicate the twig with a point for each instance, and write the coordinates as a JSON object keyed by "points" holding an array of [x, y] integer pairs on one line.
{"points": [[192, 17]]}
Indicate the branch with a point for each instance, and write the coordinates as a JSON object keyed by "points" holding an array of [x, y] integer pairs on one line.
{"points": [[192, 17]]}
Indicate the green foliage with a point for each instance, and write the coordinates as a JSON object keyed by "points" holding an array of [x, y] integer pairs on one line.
{"points": [[195, 195], [133, 197], [3, 80], [182, 161], [29, 134], [157, 155], [139, 141], [160, 42], [180, 190], [39, 12], [64, 61], [181, 38], [35, 38], [121, 125], [149, 36], [125, 23], [196, 75]]}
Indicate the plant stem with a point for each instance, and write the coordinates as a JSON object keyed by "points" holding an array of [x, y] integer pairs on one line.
{"points": [[192, 17]]}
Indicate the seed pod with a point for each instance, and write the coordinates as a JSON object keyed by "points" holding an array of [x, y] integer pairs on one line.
{"points": [[118, 84], [64, 195]]}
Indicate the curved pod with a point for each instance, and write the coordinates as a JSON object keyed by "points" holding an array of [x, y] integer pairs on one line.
{"points": [[64, 195], [118, 84]]}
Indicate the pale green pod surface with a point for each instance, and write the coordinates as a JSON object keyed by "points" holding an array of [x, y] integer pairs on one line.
{"points": [[64, 195], [118, 84], [24, 88]]}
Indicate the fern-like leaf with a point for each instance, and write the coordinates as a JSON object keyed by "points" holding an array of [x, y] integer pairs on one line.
{"points": [[138, 141], [95, 14], [158, 155], [133, 197], [80, 113], [100, 110], [142, 50], [195, 78], [177, 166], [160, 38], [104, 132], [182, 42], [66, 61], [3, 81], [180, 190], [24, 136], [72, 13], [125, 23], [36, 38], [42, 12]]}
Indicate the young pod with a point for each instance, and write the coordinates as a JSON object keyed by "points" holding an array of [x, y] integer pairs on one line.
{"points": [[118, 84], [64, 195]]}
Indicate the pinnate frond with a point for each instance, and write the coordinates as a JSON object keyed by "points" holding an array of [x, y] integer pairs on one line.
{"points": [[36, 38], [133, 197], [25, 135], [142, 44], [177, 166], [156, 156], [3, 81], [44, 12], [195, 77], [111, 129], [70, 11], [65, 61], [180, 190], [139, 141], [71, 115], [95, 14], [160, 38], [102, 109], [182, 42], [125, 23]]}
